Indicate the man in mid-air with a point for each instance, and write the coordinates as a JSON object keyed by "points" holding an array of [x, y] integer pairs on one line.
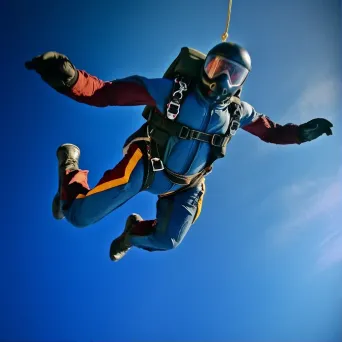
{"points": [[172, 153]]}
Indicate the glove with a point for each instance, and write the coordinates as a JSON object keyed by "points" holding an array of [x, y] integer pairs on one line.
{"points": [[55, 69], [314, 129]]}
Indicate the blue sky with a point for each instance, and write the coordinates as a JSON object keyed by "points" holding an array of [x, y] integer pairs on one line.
{"points": [[262, 264]]}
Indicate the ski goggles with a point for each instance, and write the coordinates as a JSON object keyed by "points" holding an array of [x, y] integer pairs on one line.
{"points": [[216, 65]]}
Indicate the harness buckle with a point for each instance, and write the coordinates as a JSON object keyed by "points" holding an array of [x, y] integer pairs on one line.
{"points": [[184, 133], [182, 84], [172, 109], [157, 164], [234, 127], [194, 134], [217, 140], [179, 93]]}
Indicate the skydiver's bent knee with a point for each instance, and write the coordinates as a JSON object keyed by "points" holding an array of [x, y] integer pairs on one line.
{"points": [[155, 242], [164, 243], [86, 211], [79, 222], [78, 217], [116, 187]]}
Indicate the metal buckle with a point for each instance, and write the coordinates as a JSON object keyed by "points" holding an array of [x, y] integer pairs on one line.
{"points": [[157, 164], [180, 92], [214, 139], [234, 127], [194, 134], [184, 136], [181, 83], [182, 87], [173, 105]]}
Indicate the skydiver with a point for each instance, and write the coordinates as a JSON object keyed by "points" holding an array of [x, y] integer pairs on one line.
{"points": [[171, 155]]}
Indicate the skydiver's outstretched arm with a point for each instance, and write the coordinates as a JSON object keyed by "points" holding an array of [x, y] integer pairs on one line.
{"points": [[267, 130], [129, 91], [58, 71]]}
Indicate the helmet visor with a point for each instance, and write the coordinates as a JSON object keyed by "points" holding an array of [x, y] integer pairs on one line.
{"points": [[216, 65]]}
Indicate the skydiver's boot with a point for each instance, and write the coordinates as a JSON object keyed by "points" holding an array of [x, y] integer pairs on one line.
{"points": [[68, 156], [121, 245]]}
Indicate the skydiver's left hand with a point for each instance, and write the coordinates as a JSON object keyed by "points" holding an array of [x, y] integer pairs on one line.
{"points": [[314, 128]]}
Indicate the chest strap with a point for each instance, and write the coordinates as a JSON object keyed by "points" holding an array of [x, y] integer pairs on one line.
{"points": [[161, 129]]}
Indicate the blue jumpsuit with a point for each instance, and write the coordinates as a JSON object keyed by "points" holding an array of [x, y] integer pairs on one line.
{"points": [[175, 213]]}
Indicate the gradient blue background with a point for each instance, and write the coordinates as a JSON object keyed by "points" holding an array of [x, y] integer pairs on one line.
{"points": [[263, 262]]}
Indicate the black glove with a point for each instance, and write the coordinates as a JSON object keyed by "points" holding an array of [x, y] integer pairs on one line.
{"points": [[55, 69], [314, 129]]}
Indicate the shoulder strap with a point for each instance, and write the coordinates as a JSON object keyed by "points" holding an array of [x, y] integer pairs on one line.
{"points": [[235, 111], [180, 89]]}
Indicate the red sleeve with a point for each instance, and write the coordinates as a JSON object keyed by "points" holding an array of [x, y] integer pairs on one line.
{"points": [[271, 132], [95, 92]]}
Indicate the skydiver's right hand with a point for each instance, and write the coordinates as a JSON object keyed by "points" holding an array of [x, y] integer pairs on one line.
{"points": [[55, 69]]}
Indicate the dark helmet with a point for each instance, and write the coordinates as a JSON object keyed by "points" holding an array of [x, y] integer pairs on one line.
{"points": [[226, 68]]}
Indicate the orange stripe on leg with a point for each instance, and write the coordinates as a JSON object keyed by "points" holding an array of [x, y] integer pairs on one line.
{"points": [[106, 185]]}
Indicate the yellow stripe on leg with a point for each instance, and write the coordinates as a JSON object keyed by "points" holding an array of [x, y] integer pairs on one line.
{"points": [[200, 203], [119, 181]]}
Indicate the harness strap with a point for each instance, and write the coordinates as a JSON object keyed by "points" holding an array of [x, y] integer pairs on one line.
{"points": [[179, 179], [194, 183], [162, 128], [158, 165], [180, 87]]}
